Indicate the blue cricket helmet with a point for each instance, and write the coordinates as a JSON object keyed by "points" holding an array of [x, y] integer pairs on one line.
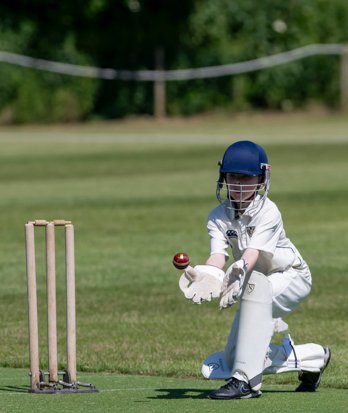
{"points": [[244, 157]]}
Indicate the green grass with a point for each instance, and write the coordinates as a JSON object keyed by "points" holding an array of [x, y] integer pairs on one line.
{"points": [[138, 192], [150, 394]]}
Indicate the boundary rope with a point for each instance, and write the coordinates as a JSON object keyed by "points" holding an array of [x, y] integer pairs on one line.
{"points": [[171, 75]]}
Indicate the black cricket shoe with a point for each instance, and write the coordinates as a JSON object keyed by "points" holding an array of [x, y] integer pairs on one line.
{"points": [[234, 389], [310, 381]]}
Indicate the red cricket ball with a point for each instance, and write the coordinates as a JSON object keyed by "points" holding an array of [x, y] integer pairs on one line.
{"points": [[181, 260]]}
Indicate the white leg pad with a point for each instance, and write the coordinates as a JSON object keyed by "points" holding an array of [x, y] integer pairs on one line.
{"points": [[215, 367], [278, 326], [218, 366], [290, 357], [230, 348], [255, 330], [280, 359]]}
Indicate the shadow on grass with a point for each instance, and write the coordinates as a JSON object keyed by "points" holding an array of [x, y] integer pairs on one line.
{"points": [[16, 389], [182, 394], [198, 393]]}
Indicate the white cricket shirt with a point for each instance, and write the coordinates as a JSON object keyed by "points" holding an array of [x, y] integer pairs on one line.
{"points": [[259, 228]]}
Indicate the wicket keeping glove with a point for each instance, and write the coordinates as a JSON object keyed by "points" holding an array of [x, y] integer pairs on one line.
{"points": [[201, 283], [232, 284]]}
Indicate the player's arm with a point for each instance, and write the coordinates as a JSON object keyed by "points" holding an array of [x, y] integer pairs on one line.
{"points": [[250, 257], [217, 260]]}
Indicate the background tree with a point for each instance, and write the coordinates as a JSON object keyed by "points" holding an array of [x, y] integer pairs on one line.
{"points": [[125, 34]]}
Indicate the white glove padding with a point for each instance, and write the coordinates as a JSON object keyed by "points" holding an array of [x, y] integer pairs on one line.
{"points": [[201, 283], [232, 284]]}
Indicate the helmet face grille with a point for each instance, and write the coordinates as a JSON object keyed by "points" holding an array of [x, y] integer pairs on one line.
{"points": [[241, 197]]}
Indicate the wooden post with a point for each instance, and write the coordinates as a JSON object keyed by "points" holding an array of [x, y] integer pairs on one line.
{"points": [[344, 79], [51, 303], [32, 307], [70, 302], [159, 86]]}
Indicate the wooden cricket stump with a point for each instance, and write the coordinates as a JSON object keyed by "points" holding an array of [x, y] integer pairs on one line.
{"points": [[68, 382]]}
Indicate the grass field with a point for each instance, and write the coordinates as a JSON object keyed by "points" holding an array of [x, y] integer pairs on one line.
{"points": [[138, 192], [134, 393]]}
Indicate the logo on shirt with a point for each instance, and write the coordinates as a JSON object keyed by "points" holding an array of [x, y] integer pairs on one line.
{"points": [[232, 233], [250, 231]]}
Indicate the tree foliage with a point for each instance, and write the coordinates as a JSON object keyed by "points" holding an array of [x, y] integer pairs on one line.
{"points": [[225, 31], [126, 34]]}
